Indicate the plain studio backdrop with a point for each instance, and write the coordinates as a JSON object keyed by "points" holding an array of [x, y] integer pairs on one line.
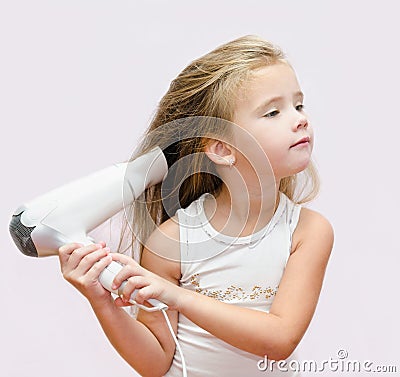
{"points": [[79, 82]]}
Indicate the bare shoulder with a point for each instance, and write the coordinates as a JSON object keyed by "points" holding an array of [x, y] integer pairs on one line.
{"points": [[161, 253], [313, 228]]}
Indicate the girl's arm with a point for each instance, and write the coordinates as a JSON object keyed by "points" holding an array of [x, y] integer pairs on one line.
{"points": [[275, 334], [148, 353]]}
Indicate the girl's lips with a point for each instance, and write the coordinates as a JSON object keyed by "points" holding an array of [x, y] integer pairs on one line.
{"points": [[302, 142]]}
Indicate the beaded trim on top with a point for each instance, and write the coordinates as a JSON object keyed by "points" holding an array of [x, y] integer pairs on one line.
{"points": [[251, 240]]}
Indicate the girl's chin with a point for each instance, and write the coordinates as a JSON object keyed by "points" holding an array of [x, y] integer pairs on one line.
{"points": [[292, 170]]}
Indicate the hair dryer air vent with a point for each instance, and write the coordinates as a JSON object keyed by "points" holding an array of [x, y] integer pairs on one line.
{"points": [[21, 235]]}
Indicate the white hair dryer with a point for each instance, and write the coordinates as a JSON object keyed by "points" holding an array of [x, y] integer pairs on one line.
{"points": [[40, 227]]}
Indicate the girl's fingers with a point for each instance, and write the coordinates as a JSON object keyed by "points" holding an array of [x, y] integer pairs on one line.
{"points": [[126, 273], [90, 259], [144, 294], [133, 283], [78, 255], [131, 268], [122, 258], [120, 303], [65, 251], [96, 269], [85, 277]]}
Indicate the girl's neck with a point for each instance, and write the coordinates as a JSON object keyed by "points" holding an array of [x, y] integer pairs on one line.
{"points": [[237, 212]]}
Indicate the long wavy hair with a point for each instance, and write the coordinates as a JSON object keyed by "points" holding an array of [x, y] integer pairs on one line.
{"points": [[205, 88]]}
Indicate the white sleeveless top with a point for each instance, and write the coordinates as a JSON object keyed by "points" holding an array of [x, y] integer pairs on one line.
{"points": [[243, 271]]}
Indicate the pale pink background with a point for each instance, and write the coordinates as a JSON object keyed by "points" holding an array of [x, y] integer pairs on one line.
{"points": [[79, 81]]}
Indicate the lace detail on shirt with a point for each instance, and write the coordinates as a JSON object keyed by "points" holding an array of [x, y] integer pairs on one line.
{"points": [[234, 293]]}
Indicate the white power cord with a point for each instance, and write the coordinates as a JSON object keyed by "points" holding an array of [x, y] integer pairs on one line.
{"points": [[163, 309], [184, 372]]}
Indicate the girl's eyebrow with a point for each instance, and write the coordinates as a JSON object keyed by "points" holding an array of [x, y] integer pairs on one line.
{"points": [[265, 104]]}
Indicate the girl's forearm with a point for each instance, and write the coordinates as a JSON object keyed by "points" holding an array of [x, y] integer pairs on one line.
{"points": [[132, 339], [257, 332]]}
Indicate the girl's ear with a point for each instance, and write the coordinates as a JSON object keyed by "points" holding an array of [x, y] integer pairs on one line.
{"points": [[220, 152]]}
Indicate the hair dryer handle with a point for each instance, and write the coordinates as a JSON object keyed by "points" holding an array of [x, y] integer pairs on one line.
{"points": [[106, 279]]}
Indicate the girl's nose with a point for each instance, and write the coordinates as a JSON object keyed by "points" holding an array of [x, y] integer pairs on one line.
{"points": [[301, 122]]}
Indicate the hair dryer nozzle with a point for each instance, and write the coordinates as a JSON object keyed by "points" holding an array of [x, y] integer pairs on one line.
{"points": [[21, 236], [66, 214]]}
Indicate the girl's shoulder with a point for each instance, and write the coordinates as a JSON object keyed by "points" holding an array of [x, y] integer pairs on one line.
{"points": [[311, 225], [165, 239], [161, 253]]}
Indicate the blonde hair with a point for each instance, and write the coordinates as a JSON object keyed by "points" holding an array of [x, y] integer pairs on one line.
{"points": [[205, 88]]}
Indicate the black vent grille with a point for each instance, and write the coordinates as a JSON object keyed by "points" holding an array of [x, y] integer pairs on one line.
{"points": [[21, 235]]}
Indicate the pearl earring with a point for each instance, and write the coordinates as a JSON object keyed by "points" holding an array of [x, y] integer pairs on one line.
{"points": [[231, 161]]}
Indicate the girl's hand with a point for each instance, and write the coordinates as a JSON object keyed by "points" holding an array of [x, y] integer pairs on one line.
{"points": [[82, 265], [150, 285]]}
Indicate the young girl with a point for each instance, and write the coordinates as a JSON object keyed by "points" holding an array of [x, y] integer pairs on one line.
{"points": [[240, 269]]}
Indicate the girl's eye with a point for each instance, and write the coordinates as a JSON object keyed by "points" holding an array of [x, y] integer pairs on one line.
{"points": [[271, 114], [300, 107]]}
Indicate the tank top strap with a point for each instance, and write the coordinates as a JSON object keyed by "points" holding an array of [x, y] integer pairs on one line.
{"points": [[292, 216]]}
